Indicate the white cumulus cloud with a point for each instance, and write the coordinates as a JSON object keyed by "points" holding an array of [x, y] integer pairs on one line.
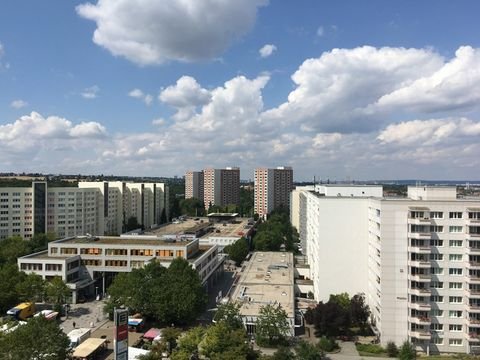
{"points": [[18, 104], [90, 92], [267, 50], [152, 32], [139, 94]]}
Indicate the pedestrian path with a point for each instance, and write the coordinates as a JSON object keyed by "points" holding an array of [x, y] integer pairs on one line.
{"points": [[87, 315]]}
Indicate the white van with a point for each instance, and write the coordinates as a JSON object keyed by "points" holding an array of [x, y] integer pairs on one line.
{"points": [[77, 336]]}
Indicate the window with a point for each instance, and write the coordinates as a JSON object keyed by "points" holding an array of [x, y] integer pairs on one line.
{"points": [[436, 271], [455, 342], [455, 285], [436, 242], [474, 215], [455, 229], [455, 243], [455, 257], [455, 313], [436, 327], [436, 285], [436, 214], [455, 215], [436, 312], [455, 271], [436, 298], [436, 228], [455, 327], [455, 299], [436, 257], [437, 340]]}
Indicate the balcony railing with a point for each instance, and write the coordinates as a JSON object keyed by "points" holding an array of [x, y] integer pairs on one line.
{"points": [[420, 334], [422, 320]]}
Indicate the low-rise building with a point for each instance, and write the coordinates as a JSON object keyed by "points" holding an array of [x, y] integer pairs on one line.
{"points": [[268, 278], [89, 263]]}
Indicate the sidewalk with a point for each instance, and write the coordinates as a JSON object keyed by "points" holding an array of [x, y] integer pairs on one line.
{"points": [[84, 315]]}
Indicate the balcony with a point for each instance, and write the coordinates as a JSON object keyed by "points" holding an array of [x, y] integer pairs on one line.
{"points": [[423, 264], [474, 265], [420, 320], [425, 236], [420, 334], [419, 291], [473, 236], [421, 306], [419, 220], [473, 337], [419, 277], [473, 308], [424, 249], [473, 293], [475, 250], [473, 278], [474, 323]]}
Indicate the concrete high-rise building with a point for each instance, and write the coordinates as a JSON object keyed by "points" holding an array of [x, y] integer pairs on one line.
{"points": [[194, 185], [416, 259], [272, 189], [221, 186], [95, 208]]}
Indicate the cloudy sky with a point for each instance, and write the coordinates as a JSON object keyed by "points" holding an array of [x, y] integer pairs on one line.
{"points": [[338, 89]]}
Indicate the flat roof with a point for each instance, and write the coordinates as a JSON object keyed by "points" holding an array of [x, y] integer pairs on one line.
{"points": [[42, 255], [237, 229], [122, 240], [268, 278], [230, 215]]}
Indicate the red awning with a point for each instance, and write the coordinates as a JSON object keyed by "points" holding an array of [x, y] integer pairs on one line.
{"points": [[152, 333]]}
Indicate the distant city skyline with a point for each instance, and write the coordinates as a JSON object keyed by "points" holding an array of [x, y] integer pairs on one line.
{"points": [[337, 90]]}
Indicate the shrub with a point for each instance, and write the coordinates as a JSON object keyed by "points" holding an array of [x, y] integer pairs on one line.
{"points": [[392, 350], [370, 348], [327, 344], [406, 351]]}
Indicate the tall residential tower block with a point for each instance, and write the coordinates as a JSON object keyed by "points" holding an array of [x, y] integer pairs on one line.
{"points": [[272, 189]]}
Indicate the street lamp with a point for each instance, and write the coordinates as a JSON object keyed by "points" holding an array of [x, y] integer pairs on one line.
{"points": [[96, 292]]}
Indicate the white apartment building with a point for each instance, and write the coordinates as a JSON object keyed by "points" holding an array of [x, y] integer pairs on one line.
{"points": [[194, 185], [89, 262], [65, 211], [91, 208], [272, 189], [417, 259]]}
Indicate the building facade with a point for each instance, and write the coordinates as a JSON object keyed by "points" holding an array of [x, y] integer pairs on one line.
{"points": [[272, 189], [415, 258], [89, 262], [91, 208], [194, 185]]}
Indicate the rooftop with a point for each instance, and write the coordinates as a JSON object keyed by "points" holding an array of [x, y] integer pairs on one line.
{"points": [[268, 278], [116, 240]]}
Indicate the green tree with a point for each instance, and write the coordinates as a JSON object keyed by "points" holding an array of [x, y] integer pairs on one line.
{"points": [[57, 292], [184, 297], [12, 248], [272, 325], [392, 349], [224, 343], [132, 224], [406, 351], [173, 295], [307, 351], [175, 209], [237, 251], [188, 344], [360, 311], [38, 339], [192, 207], [283, 353], [268, 240], [230, 314], [31, 288], [341, 299], [10, 277]]}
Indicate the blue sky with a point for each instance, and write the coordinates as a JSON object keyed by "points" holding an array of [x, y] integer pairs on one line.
{"points": [[364, 90]]}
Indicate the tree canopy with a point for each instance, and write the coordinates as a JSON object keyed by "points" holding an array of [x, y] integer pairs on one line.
{"points": [[38, 339], [238, 250], [169, 295], [272, 327], [338, 315], [275, 232]]}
